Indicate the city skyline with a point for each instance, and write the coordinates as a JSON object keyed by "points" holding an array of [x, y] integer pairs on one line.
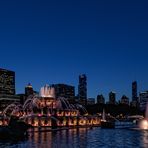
{"points": [[54, 42], [84, 82], [73, 73]]}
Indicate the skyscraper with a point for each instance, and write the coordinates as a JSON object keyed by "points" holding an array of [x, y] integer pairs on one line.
{"points": [[100, 99], [64, 90], [134, 91], [28, 90], [112, 97], [143, 100], [135, 99], [82, 89], [7, 88], [125, 100], [7, 82]]}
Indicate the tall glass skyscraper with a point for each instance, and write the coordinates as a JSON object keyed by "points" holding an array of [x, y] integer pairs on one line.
{"points": [[134, 91], [82, 89]]}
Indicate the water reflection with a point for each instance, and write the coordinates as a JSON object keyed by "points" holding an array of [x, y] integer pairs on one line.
{"points": [[68, 138], [83, 138], [144, 139]]}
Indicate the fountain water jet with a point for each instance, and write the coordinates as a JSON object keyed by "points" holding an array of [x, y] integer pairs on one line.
{"points": [[144, 123], [12, 108]]}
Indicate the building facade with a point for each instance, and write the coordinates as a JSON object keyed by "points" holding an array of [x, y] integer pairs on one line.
{"points": [[7, 82], [143, 100], [100, 99], [29, 90], [125, 100], [134, 91], [7, 89], [135, 98], [112, 97], [64, 90], [82, 89]]}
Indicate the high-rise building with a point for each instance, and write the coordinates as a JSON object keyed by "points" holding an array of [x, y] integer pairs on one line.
{"points": [[100, 99], [143, 100], [134, 91], [82, 89], [135, 98], [125, 100], [64, 90], [29, 90], [112, 97], [7, 88], [7, 82]]}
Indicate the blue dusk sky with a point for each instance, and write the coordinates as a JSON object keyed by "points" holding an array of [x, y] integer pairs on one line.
{"points": [[54, 41]]}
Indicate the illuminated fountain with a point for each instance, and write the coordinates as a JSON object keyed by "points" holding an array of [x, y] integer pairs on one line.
{"points": [[44, 110], [144, 123]]}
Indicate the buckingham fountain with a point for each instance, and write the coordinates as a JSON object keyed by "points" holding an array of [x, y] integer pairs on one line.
{"points": [[45, 110]]}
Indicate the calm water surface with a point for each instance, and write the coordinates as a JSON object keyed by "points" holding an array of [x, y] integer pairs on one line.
{"points": [[83, 138]]}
